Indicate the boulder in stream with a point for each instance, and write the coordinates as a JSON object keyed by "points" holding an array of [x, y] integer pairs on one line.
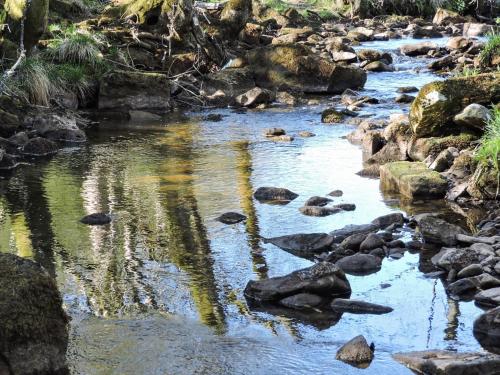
{"points": [[303, 244], [487, 331], [231, 218], [358, 307], [98, 218], [360, 264], [436, 230], [356, 352], [270, 194], [39, 146]]}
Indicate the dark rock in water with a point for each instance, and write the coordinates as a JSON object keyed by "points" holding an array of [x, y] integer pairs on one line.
{"points": [[358, 307], [7, 162], [319, 211], [67, 135], [488, 298], [379, 253], [322, 279], [303, 244], [456, 259], [487, 332], [469, 271], [346, 206], [274, 132], [317, 201], [356, 352], [396, 244], [39, 147], [336, 193], [354, 241], [436, 230], [302, 301], [33, 324], [463, 286], [213, 117], [407, 89], [231, 218], [268, 194], [360, 264], [96, 219], [372, 241], [404, 98], [340, 234], [441, 362]]}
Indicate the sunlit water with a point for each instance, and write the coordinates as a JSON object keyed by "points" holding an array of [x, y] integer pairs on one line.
{"points": [[159, 291]]}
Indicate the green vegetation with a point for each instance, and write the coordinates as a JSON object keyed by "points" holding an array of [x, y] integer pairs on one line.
{"points": [[489, 149], [468, 71], [491, 49], [461, 6]]}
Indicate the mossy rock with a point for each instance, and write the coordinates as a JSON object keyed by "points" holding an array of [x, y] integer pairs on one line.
{"points": [[34, 25], [331, 116], [33, 324], [235, 15], [484, 183], [432, 112], [412, 180], [420, 148]]}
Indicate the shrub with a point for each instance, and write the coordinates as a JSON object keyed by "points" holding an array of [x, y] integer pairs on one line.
{"points": [[489, 149], [491, 48]]}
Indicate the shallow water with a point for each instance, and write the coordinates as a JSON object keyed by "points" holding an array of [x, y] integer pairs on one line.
{"points": [[159, 291]]}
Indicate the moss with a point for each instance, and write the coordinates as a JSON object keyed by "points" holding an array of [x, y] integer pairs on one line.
{"points": [[329, 116], [420, 148]]}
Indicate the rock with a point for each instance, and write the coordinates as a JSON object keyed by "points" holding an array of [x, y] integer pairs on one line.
{"points": [[391, 152], [231, 218], [420, 148], [302, 301], [303, 244], [483, 183], [458, 43], [455, 259], [372, 143], [336, 193], [222, 87], [294, 67], [283, 138], [417, 49], [441, 362], [345, 206], [436, 230], [445, 16], [488, 298], [9, 123], [437, 103], [306, 134], [254, 97], [274, 132], [340, 234], [476, 29], [360, 264], [39, 147], [213, 117], [251, 33], [96, 219], [317, 201], [264, 194], [473, 116], [358, 307], [34, 28], [463, 286], [33, 324], [322, 279], [287, 98], [378, 66], [404, 98], [235, 15], [487, 332], [372, 241], [356, 352], [133, 90], [443, 161], [425, 32], [470, 270], [329, 116], [354, 241], [413, 180], [442, 63], [407, 89], [374, 55], [58, 128], [319, 211], [343, 56], [385, 221]]}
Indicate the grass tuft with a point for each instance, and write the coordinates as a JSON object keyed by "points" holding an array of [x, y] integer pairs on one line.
{"points": [[491, 48]]}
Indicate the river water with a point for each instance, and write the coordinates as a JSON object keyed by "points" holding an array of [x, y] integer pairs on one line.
{"points": [[160, 290]]}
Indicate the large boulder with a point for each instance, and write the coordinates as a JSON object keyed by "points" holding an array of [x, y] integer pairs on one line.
{"points": [[441, 362], [437, 103], [323, 279], [436, 230], [477, 29], [420, 148], [417, 49], [294, 67], [124, 91], [268, 194], [223, 87], [487, 331], [474, 116], [235, 15], [33, 324], [57, 127], [360, 264], [445, 16], [413, 180]]}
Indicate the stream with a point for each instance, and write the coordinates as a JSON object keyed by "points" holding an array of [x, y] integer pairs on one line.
{"points": [[160, 289]]}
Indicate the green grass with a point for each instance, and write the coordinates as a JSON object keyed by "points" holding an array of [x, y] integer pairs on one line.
{"points": [[489, 149], [491, 48], [468, 71]]}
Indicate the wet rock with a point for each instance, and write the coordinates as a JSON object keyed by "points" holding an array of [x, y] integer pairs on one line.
{"points": [[372, 143], [404, 98], [345, 206], [33, 324], [455, 259], [39, 146], [254, 97], [371, 55], [302, 301], [425, 32], [378, 66], [358, 307], [442, 63], [473, 116], [336, 193], [436, 230], [354, 241], [274, 132], [340, 234], [96, 219], [463, 286], [407, 89], [437, 103], [440, 362], [470, 270], [19, 139], [303, 244], [417, 49], [360, 264], [231, 218], [268, 194], [372, 241], [488, 298], [9, 123], [133, 90], [222, 87], [322, 279], [444, 160], [413, 180], [356, 352], [317, 201], [283, 138], [330, 116], [306, 134], [287, 98], [384, 221], [487, 332], [213, 117], [319, 211]]}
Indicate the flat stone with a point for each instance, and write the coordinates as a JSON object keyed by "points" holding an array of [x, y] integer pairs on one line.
{"points": [[96, 219], [302, 301], [267, 194], [358, 307], [317, 201], [319, 211], [340, 234], [360, 264], [488, 298], [231, 218], [303, 244]]}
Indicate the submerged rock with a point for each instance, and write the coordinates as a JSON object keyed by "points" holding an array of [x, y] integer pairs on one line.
{"points": [[39, 147], [390, 219], [265, 194], [317, 201], [302, 301], [322, 279], [319, 211], [231, 218], [33, 324], [487, 332], [254, 97], [358, 307], [303, 244], [96, 219], [441, 362], [360, 264], [356, 352]]}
